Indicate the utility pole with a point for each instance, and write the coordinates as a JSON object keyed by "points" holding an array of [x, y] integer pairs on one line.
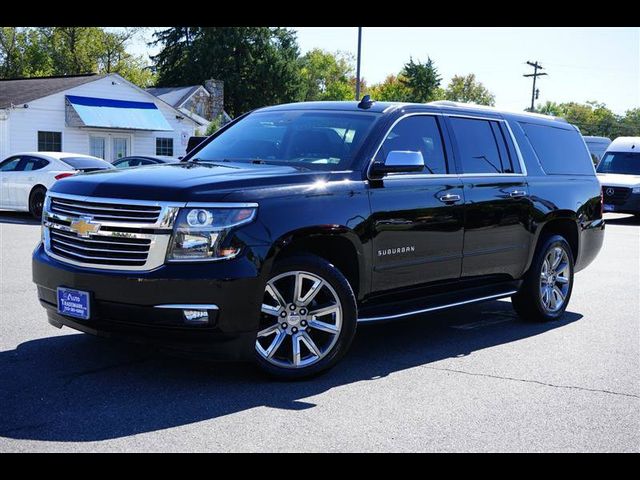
{"points": [[358, 64], [534, 93]]}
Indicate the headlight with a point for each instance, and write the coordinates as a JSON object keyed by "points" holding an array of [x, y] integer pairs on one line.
{"points": [[636, 189], [199, 233]]}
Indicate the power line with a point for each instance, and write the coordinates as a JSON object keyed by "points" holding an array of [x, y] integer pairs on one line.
{"points": [[534, 94]]}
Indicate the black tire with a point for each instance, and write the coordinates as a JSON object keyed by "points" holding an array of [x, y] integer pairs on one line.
{"points": [[528, 302], [340, 286], [36, 202]]}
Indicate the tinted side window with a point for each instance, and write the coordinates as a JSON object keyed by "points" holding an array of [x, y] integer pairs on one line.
{"points": [[478, 145], [32, 163], [559, 150], [10, 164], [418, 133]]}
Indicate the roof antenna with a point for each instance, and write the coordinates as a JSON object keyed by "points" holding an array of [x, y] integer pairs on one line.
{"points": [[366, 102]]}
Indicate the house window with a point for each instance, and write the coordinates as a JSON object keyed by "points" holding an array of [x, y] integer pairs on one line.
{"points": [[164, 147], [49, 141], [96, 147]]}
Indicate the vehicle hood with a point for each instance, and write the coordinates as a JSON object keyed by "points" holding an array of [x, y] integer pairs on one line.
{"points": [[619, 180], [184, 182]]}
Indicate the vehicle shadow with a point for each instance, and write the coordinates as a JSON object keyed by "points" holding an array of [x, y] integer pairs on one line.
{"points": [[21, 218], [80, 388], [626, 220]]}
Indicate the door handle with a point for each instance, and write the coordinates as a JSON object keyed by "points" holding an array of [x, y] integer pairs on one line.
{"points": [[449, 198], [517, 193]]}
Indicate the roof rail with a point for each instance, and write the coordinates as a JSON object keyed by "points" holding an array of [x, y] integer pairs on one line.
{"points": [[446, 103]]}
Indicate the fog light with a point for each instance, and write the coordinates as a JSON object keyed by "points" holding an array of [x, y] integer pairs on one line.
{"points": [[196, 316]]}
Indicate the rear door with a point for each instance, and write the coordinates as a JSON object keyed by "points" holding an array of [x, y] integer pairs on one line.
{"points": [[497, 205], [417, 217]]}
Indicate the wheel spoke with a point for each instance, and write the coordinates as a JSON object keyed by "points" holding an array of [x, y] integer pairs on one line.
{"points": [[558, 297], [311, 345], [562, 267], [295, 339], [545, 269], [562, 280], [297, 288], [270, 310], [269, 330], [545, 297], [273, 291], [325, 327], [324, 311], [557, 258], [311, 294], [273, 348]]}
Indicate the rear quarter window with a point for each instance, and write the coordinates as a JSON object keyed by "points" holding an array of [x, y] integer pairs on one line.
{"points": [[560, 151]]}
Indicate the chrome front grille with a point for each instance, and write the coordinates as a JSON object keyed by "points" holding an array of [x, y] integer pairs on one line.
{"points": [[106, 211], [615, 195], [100, 249], [129, 234]]}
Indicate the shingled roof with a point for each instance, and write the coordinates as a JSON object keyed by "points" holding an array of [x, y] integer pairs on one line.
{"points": [[18, 91], [174, 96]]}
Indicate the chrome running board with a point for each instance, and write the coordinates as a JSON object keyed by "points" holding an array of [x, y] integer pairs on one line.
{"points": [[438, 307]]}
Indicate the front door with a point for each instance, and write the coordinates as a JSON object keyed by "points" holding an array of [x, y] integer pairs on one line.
{"points": [[497, 205], [418, 218], [8, 169]]}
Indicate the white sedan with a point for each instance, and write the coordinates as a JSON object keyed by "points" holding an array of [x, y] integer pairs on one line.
{"points": [[25, 177]]}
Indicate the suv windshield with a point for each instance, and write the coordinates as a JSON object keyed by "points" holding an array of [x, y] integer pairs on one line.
{"points": [[313, 139], [627, 163]]}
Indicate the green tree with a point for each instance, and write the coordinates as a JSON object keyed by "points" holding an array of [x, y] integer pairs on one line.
{"points": [[422, 80], [550, 108], [326, 75], [259, 65], [392, 89], [630, 123], [467, 89], [28, 52], [594, 118], [24, 53]]}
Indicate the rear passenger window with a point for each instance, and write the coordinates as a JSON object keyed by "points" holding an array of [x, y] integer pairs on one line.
{"points": [[33, 163], [481, 145], [561, 151], [417, 133]]}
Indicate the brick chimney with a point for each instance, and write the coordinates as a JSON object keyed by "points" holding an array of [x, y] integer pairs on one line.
{"points": [[216, 101]]}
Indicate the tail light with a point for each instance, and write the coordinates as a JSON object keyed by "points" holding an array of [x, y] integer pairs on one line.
{"points": [[64, 175]]}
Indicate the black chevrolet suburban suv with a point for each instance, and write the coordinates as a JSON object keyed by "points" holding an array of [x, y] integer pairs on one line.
{"points": [[281, 232]]}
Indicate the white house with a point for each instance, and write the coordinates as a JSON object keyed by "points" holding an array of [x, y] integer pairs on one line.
{"points": [[101, 115]]}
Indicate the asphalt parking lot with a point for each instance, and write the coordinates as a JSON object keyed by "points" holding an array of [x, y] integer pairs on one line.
{"points": [[475, 378]]}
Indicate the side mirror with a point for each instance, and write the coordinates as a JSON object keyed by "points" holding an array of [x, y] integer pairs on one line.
{"points": [[400, 161]]}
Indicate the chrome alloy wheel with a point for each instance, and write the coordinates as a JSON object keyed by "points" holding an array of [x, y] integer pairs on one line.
{"points": [[301, 320], [554, 279]]}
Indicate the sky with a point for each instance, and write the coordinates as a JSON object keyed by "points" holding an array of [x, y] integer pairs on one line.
{"points": [[582, 64]]}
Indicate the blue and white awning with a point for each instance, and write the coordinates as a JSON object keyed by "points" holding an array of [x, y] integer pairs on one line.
{"points": [[109, 113]]}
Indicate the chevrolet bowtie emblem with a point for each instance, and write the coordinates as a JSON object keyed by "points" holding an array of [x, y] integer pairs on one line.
{"points": [[84, 227]]}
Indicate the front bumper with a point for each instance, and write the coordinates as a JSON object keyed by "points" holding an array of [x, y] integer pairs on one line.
{"points": [[123, 304]]}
